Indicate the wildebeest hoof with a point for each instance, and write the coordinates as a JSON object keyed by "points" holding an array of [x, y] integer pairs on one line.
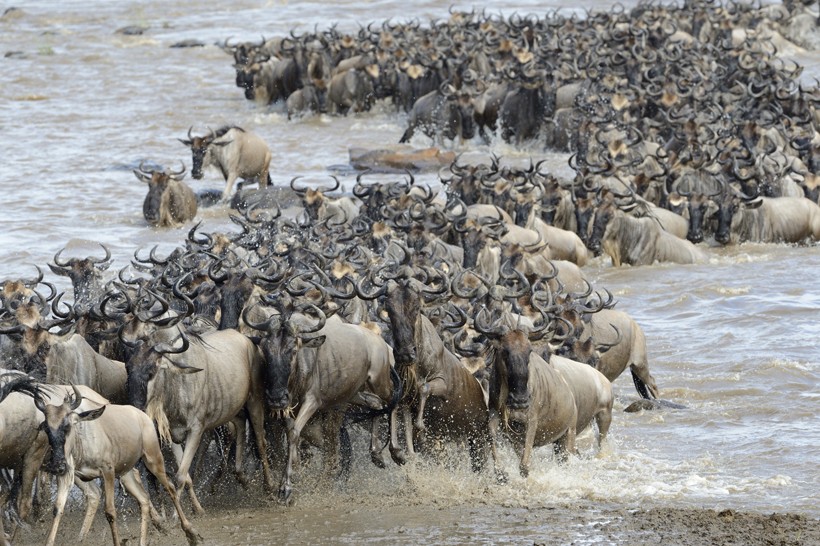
{"points": [[193, 537], [399, 457], [286, 495], [501, 477], [525, 472], [378, 459]]}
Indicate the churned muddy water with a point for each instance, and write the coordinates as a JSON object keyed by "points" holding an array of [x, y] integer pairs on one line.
{"points": [[735, 340]]}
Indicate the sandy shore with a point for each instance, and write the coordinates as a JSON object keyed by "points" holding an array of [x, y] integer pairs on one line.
{"points": [[363, 521]]}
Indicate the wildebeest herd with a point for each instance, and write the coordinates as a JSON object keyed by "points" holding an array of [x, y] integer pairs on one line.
{"points": [[427, 315]]}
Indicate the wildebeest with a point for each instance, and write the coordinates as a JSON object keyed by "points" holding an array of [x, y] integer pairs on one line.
{"points": [[170, 202], [767, 220], [323, 367], [235, 152], [197, 387], [542, 402], [351, 90], [21, 449], [440, 114], [451, 401], [105, 441], [638, 241]]}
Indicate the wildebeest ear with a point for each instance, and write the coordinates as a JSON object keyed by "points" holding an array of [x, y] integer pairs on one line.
{"points": [[255, 339], [186, 142], [313, 342], [752, 204], [58, 270], [90, 415], [221, 143]]}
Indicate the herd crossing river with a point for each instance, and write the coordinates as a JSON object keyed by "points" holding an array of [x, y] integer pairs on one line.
{"points": [[733, 339]]}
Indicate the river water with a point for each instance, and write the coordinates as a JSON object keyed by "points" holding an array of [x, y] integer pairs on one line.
{"points": [[735, 340]]}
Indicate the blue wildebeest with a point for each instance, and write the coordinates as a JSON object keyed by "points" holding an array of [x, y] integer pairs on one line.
{"points": [[451, 403], [541, 402], [170, 202], [324, 367], [637, 241], [197, 387], [767, 219], [235, 152], [104, 441], [22, 449], [440, 114]]}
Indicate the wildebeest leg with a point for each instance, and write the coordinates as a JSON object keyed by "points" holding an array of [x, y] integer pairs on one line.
{"points": [[226, 195], [407, 420], [331, 425], [396, 453], [240, 428], [131, 482], [565, 445], [183, 478], [500, 475], [603, 420], [63, 485], [4, 495], [375, 443], [256, 414], [436, 387], [31, 466], [529, 440], [92, 501], [309, 407], [110, 508], [154, 462]]}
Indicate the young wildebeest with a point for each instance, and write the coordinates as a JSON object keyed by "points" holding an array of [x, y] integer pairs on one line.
{"points": [[105, 442], [235, 152], [170, 202]]}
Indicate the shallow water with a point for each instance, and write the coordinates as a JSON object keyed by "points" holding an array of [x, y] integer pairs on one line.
{"points": [[735, 340]]}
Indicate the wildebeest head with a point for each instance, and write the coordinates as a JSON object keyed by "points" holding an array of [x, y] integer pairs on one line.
{"points": [[280, 347], [144, 364], [403, 304], [701, 207], [158, 184], [85, 274], [728, 208], [313, 199], [59, 426], [509, 357], [201, 149]]}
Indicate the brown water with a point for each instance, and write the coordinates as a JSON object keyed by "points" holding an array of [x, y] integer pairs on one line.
{"points": [[735, 340]]}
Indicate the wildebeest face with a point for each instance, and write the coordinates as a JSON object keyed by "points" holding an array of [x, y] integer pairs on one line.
{"points": [[725, 213], [141, 368], [698, 205], [465, 106], [199, 148], [583, 216], [58, 427], [602, 217], [403, 305], [152, 205], [279, 350], [235, 295], [474, 241], [514, 350]]}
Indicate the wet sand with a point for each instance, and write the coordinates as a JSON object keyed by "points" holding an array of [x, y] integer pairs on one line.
{"points": [[254, 519]]}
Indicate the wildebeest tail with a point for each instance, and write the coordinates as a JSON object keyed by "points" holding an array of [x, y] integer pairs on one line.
{"points": [[358, 414], [17, 382], [640, 386]]}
